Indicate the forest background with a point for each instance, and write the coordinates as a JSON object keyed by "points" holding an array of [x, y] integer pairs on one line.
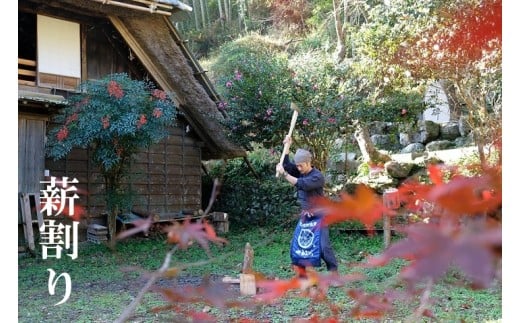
{"points": [[349, 63]]}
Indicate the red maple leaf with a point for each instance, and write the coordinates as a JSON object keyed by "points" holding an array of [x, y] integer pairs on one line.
{"points": [[369, 306], [364, 206], [412, 194], [274, 289], [469, 195], [184, 234], [140, 225], [435, 173], [208, 292], [432, 248]]}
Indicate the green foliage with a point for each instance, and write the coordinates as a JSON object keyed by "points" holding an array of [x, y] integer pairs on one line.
{"points": [[323, 92], [255, 84], [115, 116], [252, 201], [397, 107]]}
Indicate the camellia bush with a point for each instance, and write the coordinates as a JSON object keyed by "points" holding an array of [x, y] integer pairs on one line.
{"points": [[255, 83], [114, 117]]}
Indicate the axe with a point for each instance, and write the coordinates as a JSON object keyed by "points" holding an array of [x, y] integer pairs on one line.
{"points": [[285, 151]]}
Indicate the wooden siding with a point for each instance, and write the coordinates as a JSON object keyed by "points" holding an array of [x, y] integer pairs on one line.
{"points": [[55, 81], [31, 154], [105, 52], [166, 178]]}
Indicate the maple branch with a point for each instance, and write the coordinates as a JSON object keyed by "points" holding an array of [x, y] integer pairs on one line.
{"points": [[129, 310], [214, 193], [424, 304]]}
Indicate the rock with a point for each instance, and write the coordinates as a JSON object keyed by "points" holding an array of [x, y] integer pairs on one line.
{"points": [[384, 142], [428, 131], [398, 169], [413, 148], [450, 131], [377, 128], [439, 145], [404, 139]]}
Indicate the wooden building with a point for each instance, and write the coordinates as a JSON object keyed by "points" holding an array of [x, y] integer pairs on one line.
{"points": [[64, 42]]}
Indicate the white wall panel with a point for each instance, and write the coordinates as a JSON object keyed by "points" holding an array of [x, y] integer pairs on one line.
{"points": [[58, 47]]}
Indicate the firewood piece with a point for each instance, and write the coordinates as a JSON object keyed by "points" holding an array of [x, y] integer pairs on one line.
{"points": [[247, 265]]}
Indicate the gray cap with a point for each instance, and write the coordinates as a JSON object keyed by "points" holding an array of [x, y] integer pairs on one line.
{"points": [[302, 156]]}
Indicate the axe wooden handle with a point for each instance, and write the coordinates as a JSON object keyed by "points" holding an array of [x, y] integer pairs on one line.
{"points": [[286, 145]]}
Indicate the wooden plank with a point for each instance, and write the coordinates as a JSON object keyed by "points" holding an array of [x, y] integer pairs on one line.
{"points": [[28, 62], [38, 210], [183, 179], [58, 81], [230, 280], [31, 155], [247, 264], [27, 221], [247, 284], [78, 154], [76, 166], [26, 72], [29, 83]]}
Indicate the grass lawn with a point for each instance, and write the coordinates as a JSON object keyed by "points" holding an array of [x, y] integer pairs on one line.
{"points": [[104, 282]]}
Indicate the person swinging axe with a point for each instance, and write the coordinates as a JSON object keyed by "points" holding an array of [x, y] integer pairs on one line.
{"points": [[311, 241]]}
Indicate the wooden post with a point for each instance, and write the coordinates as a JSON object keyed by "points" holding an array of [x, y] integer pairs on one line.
{"points": [[387, 231], [247, 277], [27, 221], [247, 265], [390, 201], [221, 221], [28, 218], [247, 284]]}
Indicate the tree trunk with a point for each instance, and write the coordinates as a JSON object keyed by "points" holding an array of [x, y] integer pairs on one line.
{"points": [[340, 30], [195, 13], [242, 14], [113, 197], [368, 150], [112, 207], [227, 10], [202, 14], [221, 15]]}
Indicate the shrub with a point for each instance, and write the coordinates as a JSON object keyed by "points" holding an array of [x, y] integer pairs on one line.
{"points": [[255, 84], [252, 201], [115, 117]]}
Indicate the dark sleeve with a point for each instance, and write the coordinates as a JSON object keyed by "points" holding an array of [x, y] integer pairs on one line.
{"points": [[290, 167], [310, 183]]}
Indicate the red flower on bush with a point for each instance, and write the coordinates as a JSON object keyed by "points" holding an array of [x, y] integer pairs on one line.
{"points": [[71, 118], [105, 121], [159, 94], [157, 113], [114, 89], [142, 120], [62, 133]]}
